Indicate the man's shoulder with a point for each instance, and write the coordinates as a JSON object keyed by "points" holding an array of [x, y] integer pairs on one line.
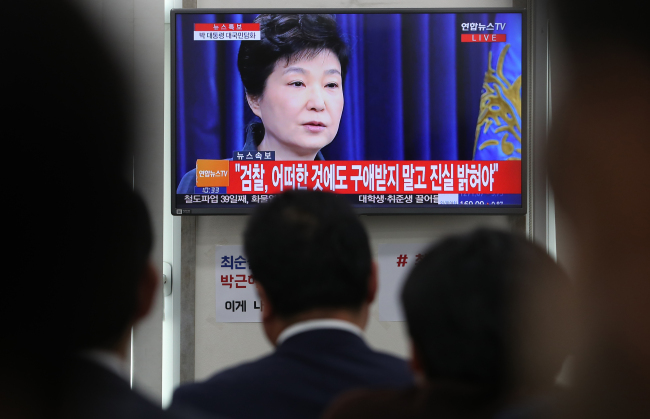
{"points": [[386, 360], [359, 349], [242, 372], [228, 392], [232, 380], [391, 371], [295, 359], [299, 379], [346, 358], [92, 391], [389, 358]]}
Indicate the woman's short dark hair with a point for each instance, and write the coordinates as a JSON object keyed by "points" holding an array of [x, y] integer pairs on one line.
{"points": [[289, 37]]}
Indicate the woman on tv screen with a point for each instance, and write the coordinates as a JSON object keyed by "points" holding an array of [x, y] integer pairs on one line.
{"points": [[294, 84], [293, 77]]}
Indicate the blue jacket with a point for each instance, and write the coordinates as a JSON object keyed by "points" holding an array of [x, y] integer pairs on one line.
{"points": [[299, 380]]}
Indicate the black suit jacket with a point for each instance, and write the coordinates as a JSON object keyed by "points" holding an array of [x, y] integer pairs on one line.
{"points": [[299, 380], [93, 392]]}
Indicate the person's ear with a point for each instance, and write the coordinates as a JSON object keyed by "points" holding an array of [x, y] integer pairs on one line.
{"points": [[267, 308], [254, 104], [272, 324], [416, 360], [372, 283], [147, 287]]}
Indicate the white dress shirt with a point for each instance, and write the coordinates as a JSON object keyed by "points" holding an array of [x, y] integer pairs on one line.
{"points": [[318, 324]]}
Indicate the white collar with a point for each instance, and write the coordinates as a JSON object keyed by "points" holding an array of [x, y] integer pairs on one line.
{"points": [[308, 325], [109, 360]]}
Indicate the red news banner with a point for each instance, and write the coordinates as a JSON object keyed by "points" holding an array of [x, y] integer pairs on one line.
{"points": [[487, 37], [227, 31], [387, 177]]}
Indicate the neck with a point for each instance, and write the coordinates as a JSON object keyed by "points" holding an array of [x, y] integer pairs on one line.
{"points": [[283, 153], [276, 326]]}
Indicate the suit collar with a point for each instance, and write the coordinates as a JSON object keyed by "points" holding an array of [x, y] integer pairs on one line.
{"points": [[318, 324]]}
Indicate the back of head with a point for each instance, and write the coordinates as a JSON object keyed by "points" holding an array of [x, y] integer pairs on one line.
{"points": [[309, 251], [68, 113], [69, 124], [574, 21], [83, 235], [470, 304], [102, 293]]}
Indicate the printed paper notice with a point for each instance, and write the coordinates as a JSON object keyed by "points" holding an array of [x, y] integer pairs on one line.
{"points": [[237, 299], [395, 263]]}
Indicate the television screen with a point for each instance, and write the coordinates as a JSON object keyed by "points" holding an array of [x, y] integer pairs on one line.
{"points": [[400, 111]]}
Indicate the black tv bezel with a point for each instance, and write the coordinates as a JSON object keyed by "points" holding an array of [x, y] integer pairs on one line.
{"points": [[234, 209]]}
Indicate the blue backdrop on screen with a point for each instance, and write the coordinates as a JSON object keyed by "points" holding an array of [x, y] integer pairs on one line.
{"points": [[498, 128], [412, 92]]}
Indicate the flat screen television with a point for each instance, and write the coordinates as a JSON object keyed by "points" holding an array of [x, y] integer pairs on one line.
{"points": [[400, 111]]}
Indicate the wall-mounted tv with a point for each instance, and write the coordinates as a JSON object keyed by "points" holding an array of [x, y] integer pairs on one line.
{"points": [[400, 111]]}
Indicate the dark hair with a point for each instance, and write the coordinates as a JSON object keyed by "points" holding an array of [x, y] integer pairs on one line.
{"points": [[289, 37], [82, 235], [121, 247], [625, 26], [460, 301], [309, 250]]}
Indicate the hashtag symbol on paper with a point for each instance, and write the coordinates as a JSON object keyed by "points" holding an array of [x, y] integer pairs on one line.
{"points": [[401, 261]]}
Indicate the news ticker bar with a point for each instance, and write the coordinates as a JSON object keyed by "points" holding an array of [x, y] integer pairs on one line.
{"points": [[360, 177], [452, 200]]}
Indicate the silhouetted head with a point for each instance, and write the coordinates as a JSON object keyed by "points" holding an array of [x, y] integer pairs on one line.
{"points": [[487, 309], [308, 250]]}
